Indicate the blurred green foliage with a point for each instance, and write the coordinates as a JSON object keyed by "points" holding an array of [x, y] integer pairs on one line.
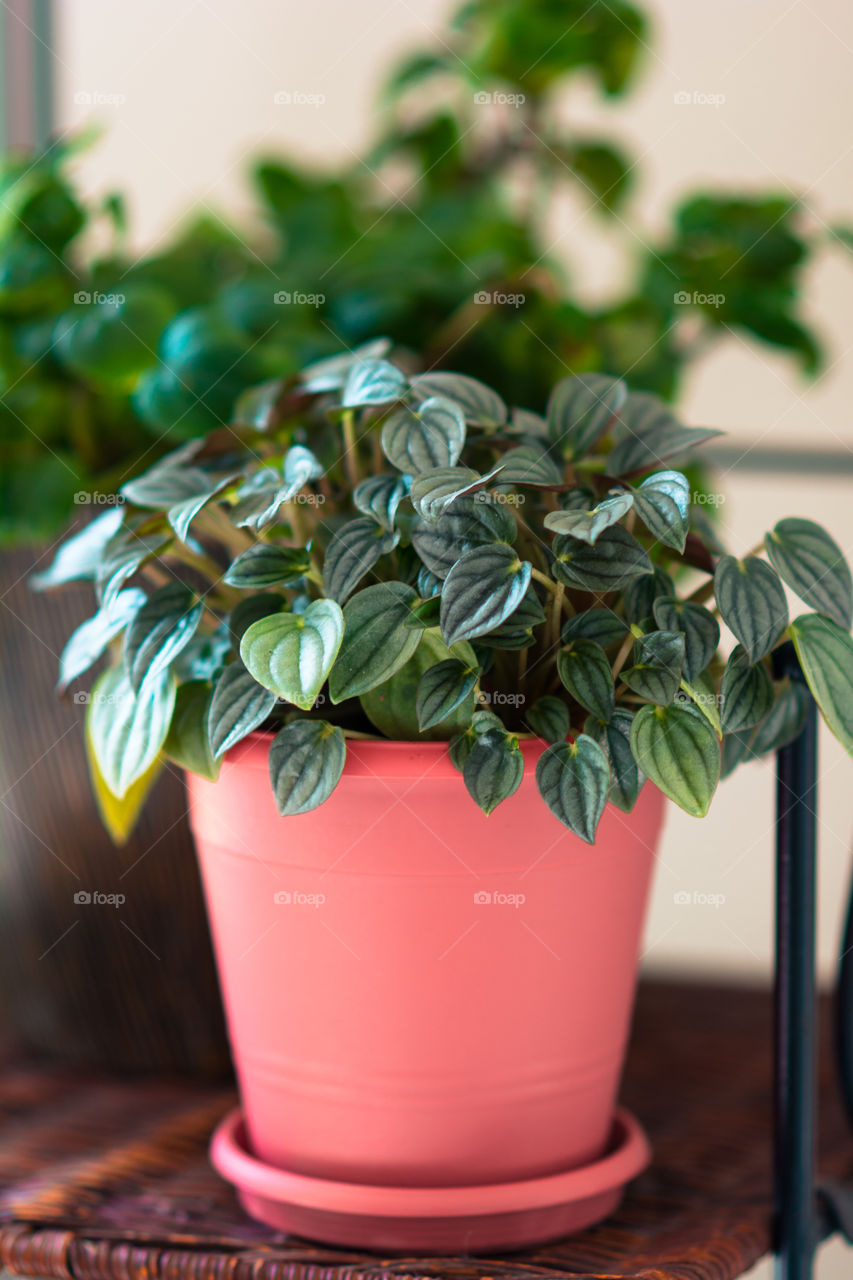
{"points": [[436, 238]]}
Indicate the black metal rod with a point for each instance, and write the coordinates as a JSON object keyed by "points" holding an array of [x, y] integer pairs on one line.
{"points": [[795, 995]]}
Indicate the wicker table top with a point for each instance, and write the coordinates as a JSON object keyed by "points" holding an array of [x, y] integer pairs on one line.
{"points": [[107, 1179]]}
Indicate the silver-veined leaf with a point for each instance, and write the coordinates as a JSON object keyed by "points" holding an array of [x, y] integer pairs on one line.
{"points": [[580, 409], [372, 381], [530, 464], [657, 667], [589, 525], [746, 692], [678, 750], [441, 690], [648, 434], [306, 761], [662, 502], [379, 497], [469, 522], [419, 440], [79, 557], [127, 730], [159, 630], [585, 671], [813, 565], [549, 718], [91, 638], [699, 627], [239, 705], [352, 553], [376, 642], [616, 558], [267, 564], [330, 373], [291, 654], [752, 603], [493, 769], [825, 651], [187, 742], [478, 402], [573, 779], [614, 738], [481, 590]]}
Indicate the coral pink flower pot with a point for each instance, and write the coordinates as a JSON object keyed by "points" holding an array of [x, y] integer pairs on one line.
{"points": [[418, 996]]}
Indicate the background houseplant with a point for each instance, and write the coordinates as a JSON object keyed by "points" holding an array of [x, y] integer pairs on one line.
{"points": [[529, 577]]}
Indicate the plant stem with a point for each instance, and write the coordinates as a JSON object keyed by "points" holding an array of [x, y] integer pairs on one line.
{"points": [[546, 581], [350, 454], [619, 661]]}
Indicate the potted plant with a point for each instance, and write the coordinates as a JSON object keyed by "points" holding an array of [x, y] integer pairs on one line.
{"points": [[376, 582]]}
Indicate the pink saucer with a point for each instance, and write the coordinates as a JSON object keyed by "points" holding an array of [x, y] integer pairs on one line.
{"points": [[431, 1220]]}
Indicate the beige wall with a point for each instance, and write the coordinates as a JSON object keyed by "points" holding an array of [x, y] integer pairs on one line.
{"points": [[196, 82]]}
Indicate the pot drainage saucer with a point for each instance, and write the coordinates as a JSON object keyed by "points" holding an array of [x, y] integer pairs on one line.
{"points": [[431, 1220]]}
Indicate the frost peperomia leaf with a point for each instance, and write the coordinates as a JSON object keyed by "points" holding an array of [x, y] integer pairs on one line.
{"points": [[123, 556], [392, 707], [482, 589], [700, 629], [648, 434], [182, 514], [813, 565], [663, 504], [331, 373], [306, 761], [187, 742], [377, 641], [518, 628], [478, 402], [379, 497], [91, 638], [580, 409], [602, 625], [589, 525], [585, 671], [434, 491], [352, 553], [423, 439], [372, 381], [825, 652], [493, 769], [616, 558], [615, 740], [640, 595], [469, 522], [127, 730], [658, 664], [80, 556], [678, 750], [238, 706], [573, 779], [783, 722], [441, 689], [291, 654], [159, 630], [752, 603], [549, 718], [530, 464], [746, 692], [165, 486], [267, 564]]}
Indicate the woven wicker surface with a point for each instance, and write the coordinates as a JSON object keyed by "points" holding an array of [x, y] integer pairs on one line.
{"points": [[104, 1179]]}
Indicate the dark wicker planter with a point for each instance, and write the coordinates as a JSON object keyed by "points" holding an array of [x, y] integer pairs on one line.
{"points": [[126, 987]]}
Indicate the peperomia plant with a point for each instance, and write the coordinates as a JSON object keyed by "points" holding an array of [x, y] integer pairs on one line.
{"points": [[367, 552]]}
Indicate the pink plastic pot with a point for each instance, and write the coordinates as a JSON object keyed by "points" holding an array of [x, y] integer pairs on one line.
{"points": [[422, 999]]}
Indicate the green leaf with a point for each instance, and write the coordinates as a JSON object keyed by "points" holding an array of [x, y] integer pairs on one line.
{"points": [[702, 692], [468, 523], [372, 381], [549, 718], [441, 690], [352, 553], [330, 373], [187, 742], [825, 652], [615, 740], [91, 638], [267, 564], [602, 625], [478, 402], [80, 556], [482, 589], [306, 761], [588, 526], [377, 641], [580, 409], [379, 497], [123, 557], [165, 486], [291, 654], [648, 434], [813, 565], [434, 491], [159, 630], [530, 464], [783, 723], [423, 439], [658, 663], [249, 610], [393, 705], [119, 816], [127, 730], [752, 603], [573, 779], [700, 629], [238, 706], [616, 558], [516, 631], [678, 750], [663, 504], [746, 692], [182, 514], [493, 769], [641, 594], [585, 671]]}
